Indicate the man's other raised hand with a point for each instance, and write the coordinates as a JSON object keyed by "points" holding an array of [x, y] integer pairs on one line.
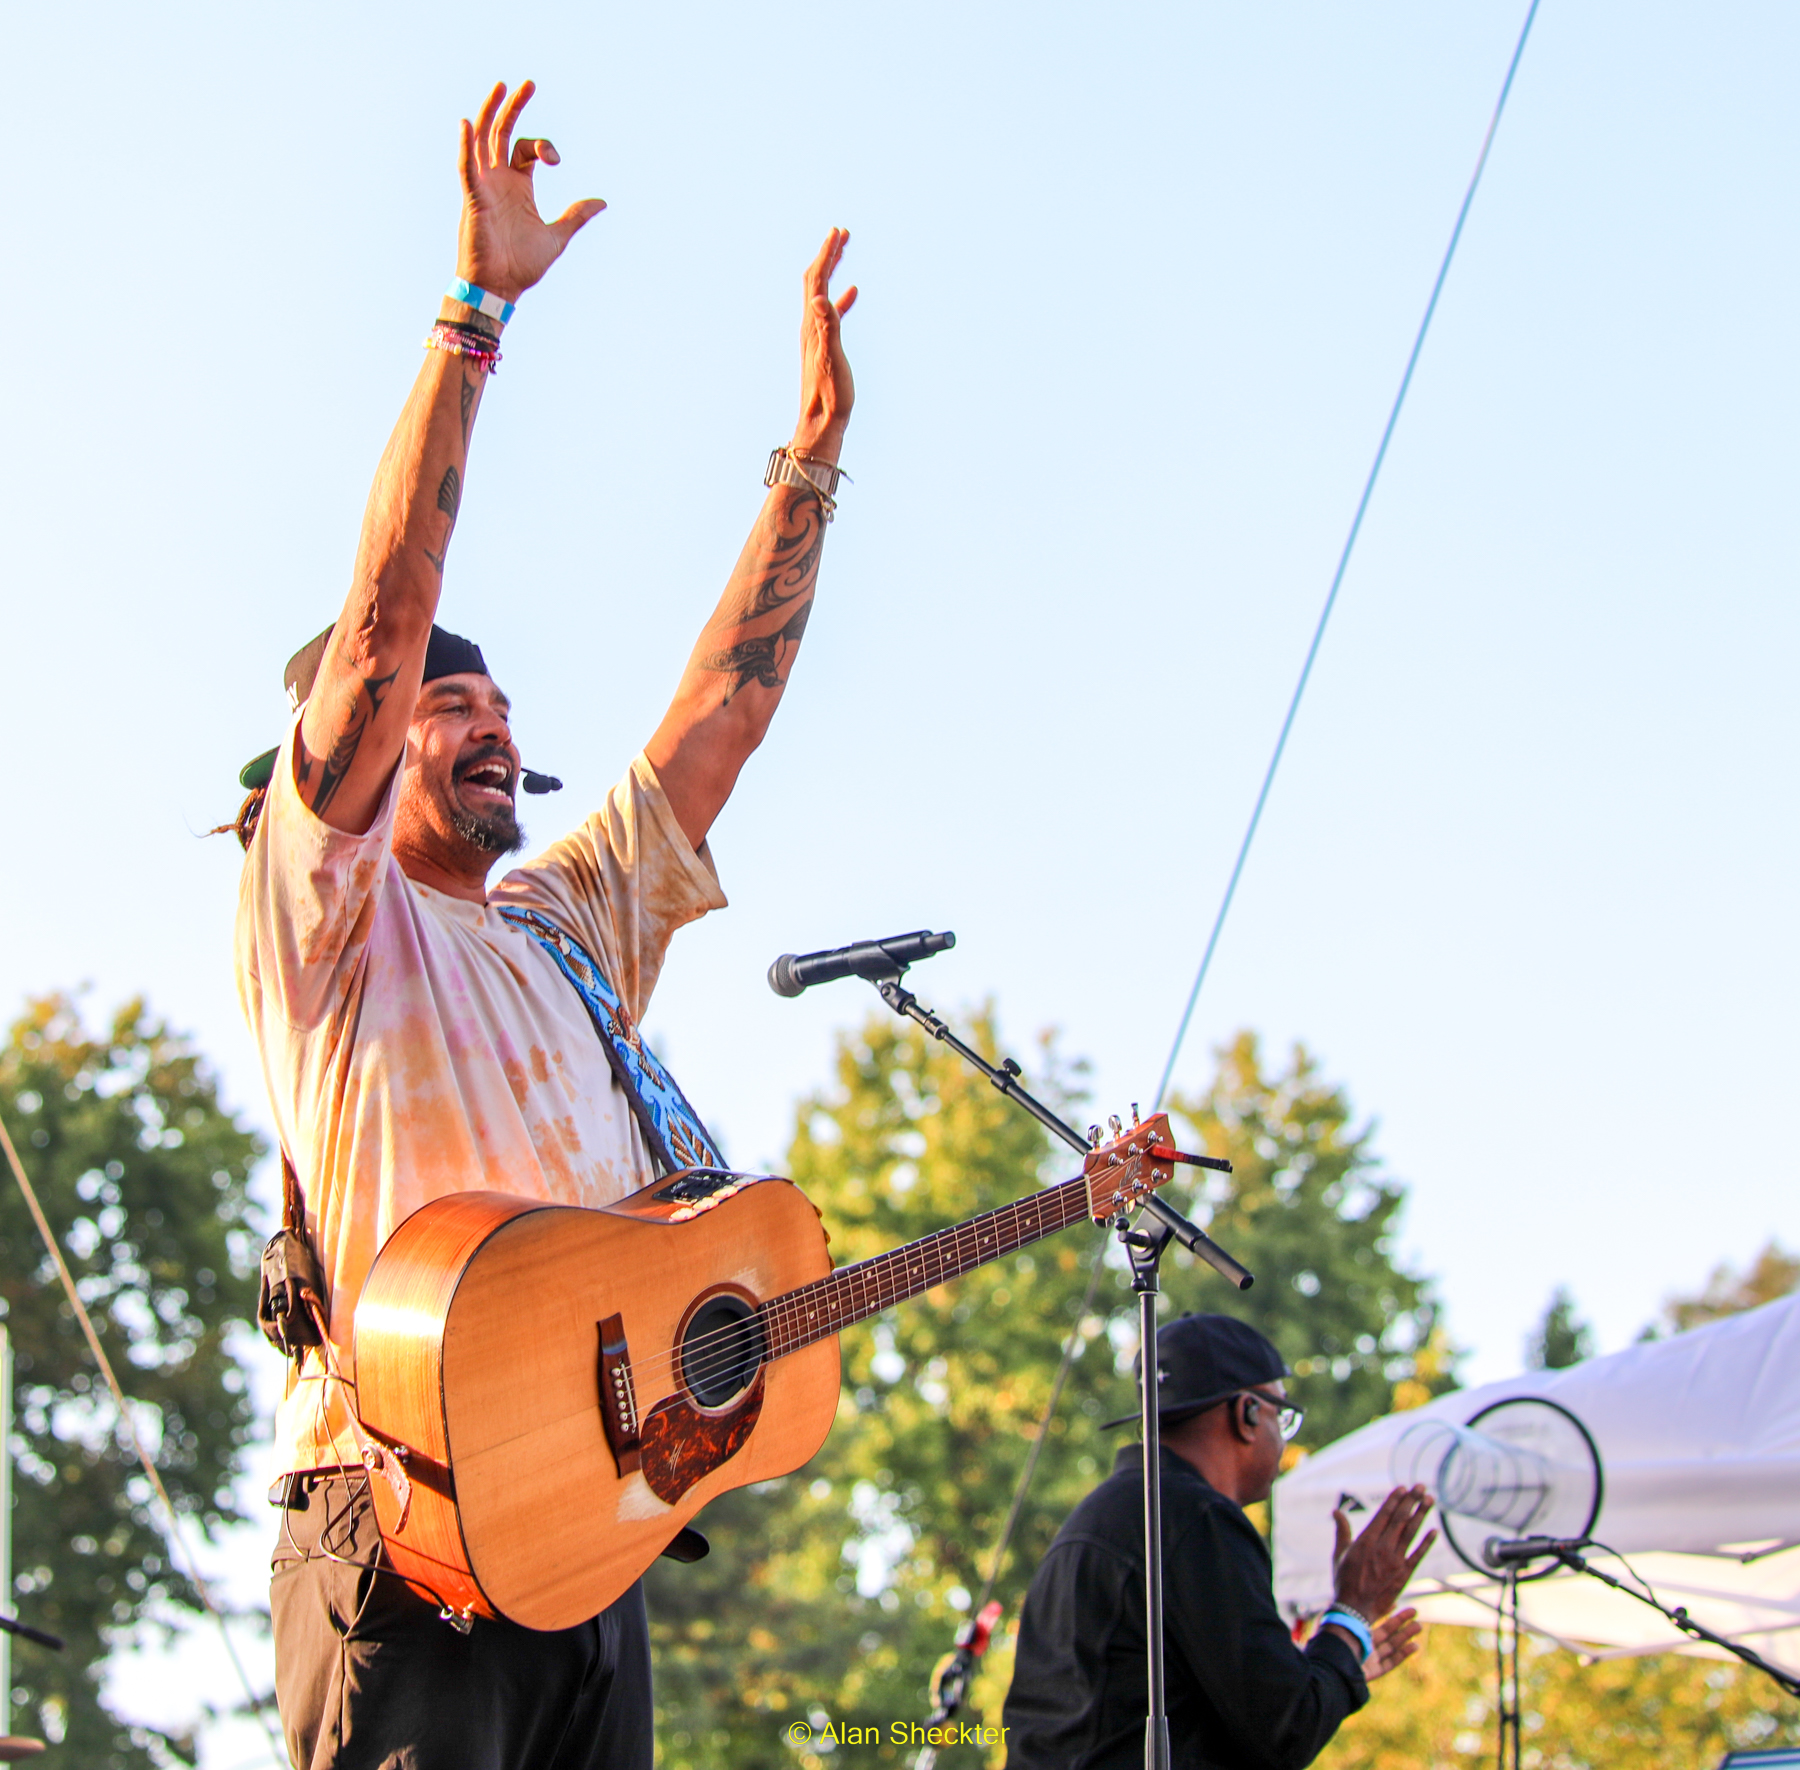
{"points": [[827, 391], [503, 244]]}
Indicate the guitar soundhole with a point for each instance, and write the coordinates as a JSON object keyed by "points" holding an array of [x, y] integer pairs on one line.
{"points": [[722, 1350]]}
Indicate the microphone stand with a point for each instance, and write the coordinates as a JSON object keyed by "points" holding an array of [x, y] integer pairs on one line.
{"points": [[12, 1626], [1144, 1249], [1579, 1563], [1005, 1077]]}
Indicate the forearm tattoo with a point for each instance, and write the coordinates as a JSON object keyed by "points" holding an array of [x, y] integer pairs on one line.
{"points": [[779, 571], [449, 500], [763, 660], [365, 703]]}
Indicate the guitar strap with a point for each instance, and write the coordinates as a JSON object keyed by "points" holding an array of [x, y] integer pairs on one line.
{"points": [[671, 1127]]}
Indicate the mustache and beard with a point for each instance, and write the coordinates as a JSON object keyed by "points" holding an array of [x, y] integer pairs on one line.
{"points": [[496, 831]]}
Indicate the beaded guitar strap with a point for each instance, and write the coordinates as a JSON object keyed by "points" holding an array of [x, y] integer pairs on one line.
{"points": [[671, 1127]]}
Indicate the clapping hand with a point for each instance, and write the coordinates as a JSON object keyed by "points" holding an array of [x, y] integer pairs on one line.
{"points": [[1397, 1638], [503, 244], [1374, 1570]]}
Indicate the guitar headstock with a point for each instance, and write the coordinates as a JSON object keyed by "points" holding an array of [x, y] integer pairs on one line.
{"points": [[1121, 1174]]}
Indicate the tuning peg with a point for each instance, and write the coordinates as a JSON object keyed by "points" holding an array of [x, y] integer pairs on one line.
{"points": [[1134, 1116], [1093, 1136], [1118, 1130]]}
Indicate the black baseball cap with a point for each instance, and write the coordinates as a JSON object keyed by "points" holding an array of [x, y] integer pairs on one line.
{"points": [[446, 654], [1202, 1360]]}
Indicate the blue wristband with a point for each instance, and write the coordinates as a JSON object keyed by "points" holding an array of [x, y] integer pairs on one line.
{"points": [[1351, 1625], [481, 300]]}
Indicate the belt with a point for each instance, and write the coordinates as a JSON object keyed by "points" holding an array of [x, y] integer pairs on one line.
{"points": [[289, 1491]]}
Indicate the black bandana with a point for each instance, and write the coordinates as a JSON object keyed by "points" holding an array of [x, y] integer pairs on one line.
{"points": [[447, 654]]}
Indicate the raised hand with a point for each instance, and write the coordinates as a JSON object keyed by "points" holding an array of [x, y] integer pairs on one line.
{"points": [[827, 391], [1374, 1570], [1397, 1639], [503, 244]]}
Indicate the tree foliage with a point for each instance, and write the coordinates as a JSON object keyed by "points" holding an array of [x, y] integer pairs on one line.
{"points": [[1773, 1273], [142, 1175], [1615, 1714], [1307, 1210], [1561, 1338], [832, 1594]]}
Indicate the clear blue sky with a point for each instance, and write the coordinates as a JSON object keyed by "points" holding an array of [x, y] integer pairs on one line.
{"points": [[1137, 287]]}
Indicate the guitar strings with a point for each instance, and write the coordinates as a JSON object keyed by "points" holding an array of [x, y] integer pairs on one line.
{"points": [[721, 1349]]}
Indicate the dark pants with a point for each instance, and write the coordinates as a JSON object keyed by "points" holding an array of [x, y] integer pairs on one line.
{"points": [[370, 1678]]}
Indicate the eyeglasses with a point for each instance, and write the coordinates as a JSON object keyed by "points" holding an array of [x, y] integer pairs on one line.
{"points": [[1289, 1413]]}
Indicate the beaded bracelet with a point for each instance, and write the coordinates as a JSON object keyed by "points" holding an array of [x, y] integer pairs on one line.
{"points": [[456, 339]]}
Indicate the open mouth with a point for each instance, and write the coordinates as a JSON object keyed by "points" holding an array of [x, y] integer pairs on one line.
{"points": [[488, 782]]}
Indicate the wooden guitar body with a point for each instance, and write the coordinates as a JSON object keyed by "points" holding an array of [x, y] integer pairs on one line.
{"points": [[552, 1393], [479, 1357]]}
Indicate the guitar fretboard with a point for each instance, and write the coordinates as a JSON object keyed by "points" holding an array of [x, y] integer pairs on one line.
{"points": [[854, 1293]]}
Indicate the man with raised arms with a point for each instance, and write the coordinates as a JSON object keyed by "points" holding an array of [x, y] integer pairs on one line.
{"points": [[417, 1034]]}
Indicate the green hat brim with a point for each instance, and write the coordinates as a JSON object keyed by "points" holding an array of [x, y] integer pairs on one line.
{"points": [[259, 772]]}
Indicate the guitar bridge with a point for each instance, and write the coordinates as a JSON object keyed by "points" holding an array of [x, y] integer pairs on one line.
{"points": [[618, 1399]]}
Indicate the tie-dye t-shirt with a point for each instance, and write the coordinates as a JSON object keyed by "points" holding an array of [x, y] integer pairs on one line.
{"points": [[415, 1044]]}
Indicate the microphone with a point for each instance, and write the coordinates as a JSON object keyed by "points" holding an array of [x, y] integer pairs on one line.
{"points": [[877, 960], [533, 782], [1500, 1552]]}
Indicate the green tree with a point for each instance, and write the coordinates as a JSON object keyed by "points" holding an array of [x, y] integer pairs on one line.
{"points": [[143, 1177], [832, 1594], [1615, 1714], [1307, 1210], [1561, 1338]]}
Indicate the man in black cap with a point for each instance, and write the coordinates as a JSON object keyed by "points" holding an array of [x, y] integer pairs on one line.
{"points": [[423, 1033], [1241, 1695]]}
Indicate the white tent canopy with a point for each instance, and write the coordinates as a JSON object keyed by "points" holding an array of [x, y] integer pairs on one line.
{"points": [[1699, 1439]]}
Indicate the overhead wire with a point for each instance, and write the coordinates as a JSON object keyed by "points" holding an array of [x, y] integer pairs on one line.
{"points": [[1337, 577], [1077, 1339], [177, 1537]]}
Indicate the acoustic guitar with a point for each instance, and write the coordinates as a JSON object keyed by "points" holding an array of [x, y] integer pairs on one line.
{"points": [[551, 1393]]}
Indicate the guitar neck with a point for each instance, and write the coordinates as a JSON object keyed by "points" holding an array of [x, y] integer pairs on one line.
{"points": [[854, 1293]]}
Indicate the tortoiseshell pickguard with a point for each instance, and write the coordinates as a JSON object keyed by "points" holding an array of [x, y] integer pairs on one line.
{"points": [[681, 1444]]}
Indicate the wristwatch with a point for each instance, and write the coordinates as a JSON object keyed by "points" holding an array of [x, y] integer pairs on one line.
{"points": [[818, 477]]}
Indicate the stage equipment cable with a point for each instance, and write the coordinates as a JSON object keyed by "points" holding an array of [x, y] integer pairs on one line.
{"points": [[177, 1538], [1337, 577], [1076, 1339]]}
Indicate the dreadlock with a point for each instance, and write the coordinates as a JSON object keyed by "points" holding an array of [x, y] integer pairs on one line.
{"points": [[248, 817]]}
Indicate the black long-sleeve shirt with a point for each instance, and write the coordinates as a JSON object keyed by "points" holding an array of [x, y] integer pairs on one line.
{"points": [[1241, 1695]]}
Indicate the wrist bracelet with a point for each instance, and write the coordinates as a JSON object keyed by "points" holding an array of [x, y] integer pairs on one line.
{"points": [[789, 466], [469, 341], [481, 300], [1353, 1625]]}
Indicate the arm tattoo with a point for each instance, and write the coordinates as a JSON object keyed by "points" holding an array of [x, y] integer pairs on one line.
{"points": [[344, 746], [786, 567], [763, 660], [449, 501], [471, 387]]}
